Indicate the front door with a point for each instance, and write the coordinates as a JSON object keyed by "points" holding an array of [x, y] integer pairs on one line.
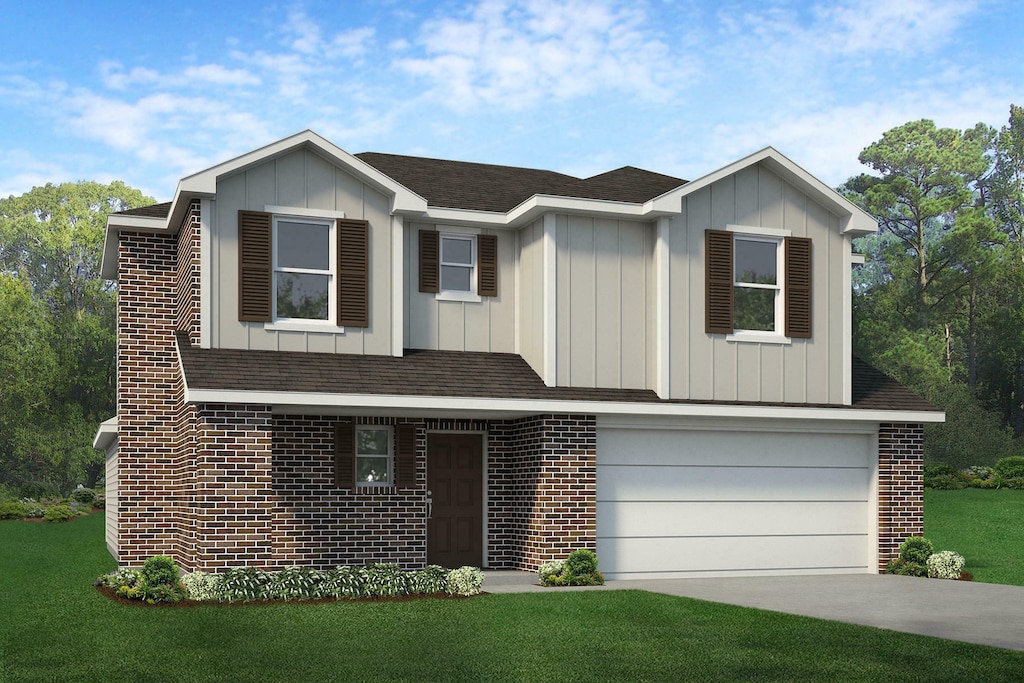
{"points": [[455, 464]]}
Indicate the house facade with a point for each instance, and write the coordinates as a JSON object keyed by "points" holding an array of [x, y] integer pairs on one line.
{"points": [[327, 358]]}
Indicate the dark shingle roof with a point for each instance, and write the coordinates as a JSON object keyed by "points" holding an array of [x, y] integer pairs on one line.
{"points": [[486, 187], [451, 374], [151, 211]]}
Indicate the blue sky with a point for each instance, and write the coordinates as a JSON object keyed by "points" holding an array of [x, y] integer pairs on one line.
{"points": [[150, 92]]}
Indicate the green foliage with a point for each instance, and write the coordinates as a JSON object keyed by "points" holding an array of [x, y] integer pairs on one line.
{"points": [[916, 549], [385, 580], [83, 495], [971, 435], [33, 508], [432, 579], [199, 586], [465, 581], [578, 569], [945, 564], [241, 584], [58, 513], [160, 570], [13, 509], [1010, 467], [903, 567], [581, 562]]}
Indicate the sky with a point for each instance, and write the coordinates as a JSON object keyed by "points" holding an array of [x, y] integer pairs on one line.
{"points": [[150, 92]]}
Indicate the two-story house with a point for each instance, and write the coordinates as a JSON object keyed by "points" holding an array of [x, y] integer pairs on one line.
{"points": [[326, 358]]}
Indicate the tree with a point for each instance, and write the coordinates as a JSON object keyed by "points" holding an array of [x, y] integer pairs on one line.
{"points": [[50, 248]]}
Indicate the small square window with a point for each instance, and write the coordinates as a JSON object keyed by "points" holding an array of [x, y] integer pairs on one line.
{"points": [[458, 263], [373, 456]]}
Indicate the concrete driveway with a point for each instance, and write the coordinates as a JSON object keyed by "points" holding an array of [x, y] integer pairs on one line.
{"points": [[982, 613]]}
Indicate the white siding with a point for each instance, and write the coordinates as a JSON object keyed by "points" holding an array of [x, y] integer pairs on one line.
{"points": [[300, 179], [721, 502], [530, 297], [110, 500], [708, 367], [485, 325]]}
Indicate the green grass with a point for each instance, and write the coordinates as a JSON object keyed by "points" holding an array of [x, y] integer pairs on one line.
{"points": [[986, 526], [55, 627]]}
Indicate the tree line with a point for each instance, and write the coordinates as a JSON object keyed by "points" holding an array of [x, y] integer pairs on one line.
{"points": [[938, 304]]}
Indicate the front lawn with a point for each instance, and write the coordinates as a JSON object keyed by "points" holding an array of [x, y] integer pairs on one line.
{"points": [[986, 526], [55, 626]]}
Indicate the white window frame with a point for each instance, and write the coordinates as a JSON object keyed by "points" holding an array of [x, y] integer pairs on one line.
{"points": [[332, 293], [472, 295], [776, 237], [390, 456]]}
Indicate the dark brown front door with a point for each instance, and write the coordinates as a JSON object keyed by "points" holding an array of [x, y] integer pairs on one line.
{"points": [[455, 464]]}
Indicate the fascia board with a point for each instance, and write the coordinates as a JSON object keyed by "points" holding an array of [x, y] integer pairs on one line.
{"points": [[106, 434], [855, 221], [463, 405]]}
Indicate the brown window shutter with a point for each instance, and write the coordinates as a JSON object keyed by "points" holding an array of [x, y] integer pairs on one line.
{"points": [[254, 266], [353, 273], [718, 280], [487, 265], [798, 287], [405, 456], [344, 455], [430, 261]]}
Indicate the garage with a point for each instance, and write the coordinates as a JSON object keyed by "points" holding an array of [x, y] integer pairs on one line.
{"points": [[691, 501]]}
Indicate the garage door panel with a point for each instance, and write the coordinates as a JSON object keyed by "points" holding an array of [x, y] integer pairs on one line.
{"points": [[666, 447], [651, 520], [642, 557], [687, 483]]}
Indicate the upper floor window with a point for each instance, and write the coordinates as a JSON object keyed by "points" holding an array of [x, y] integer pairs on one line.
{"points": [[757, 286], [458, 263], [304, 269], [458, 266]]}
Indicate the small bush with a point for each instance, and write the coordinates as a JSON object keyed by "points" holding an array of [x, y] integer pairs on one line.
{"points": [[1014, 483], [33, 508], [945, 482], [579, 569], [433, 579], [58, 513], [160, 570], [916, 549], [550, 572], [945, 564], [1011, 468], [385, 580], [938, 469], [242, 584], [465, 581], [581, 562], [904, 568], [199, 586], [13, 509], [83, 495], [291, 583], [979, 472]]}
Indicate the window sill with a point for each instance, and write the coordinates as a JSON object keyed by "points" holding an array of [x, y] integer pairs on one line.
{"points": [[758, 338], [296, 326], [466, 297]]}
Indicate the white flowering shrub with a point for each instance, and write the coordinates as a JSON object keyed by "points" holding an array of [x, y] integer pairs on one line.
{"points": [[199, 586], [945, 565], [465, 581], [550, 571]]}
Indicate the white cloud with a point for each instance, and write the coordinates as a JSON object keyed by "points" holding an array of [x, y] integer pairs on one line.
{"points": [[220, 75], [515, 55], [906, 26]]}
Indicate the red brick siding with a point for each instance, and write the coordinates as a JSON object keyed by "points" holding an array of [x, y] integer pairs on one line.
{"points": [[542, 485], [187, 277], [900, 487]]}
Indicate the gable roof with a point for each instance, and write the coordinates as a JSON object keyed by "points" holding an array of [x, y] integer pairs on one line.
{"points": [[472, 378]]}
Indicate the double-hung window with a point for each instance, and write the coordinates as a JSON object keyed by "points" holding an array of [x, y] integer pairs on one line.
{"points": [[757, 285], [458, 263], [373, 456], [304, 267]]}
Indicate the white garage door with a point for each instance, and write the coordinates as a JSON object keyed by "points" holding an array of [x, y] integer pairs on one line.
{"points": [[676, 503]]}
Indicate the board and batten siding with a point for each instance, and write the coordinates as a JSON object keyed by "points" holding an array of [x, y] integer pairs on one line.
{"points": [[530, 297], [486, 325], [303, 180], [708, 367], [604, 321]]}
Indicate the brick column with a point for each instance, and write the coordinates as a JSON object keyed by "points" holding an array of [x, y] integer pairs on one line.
{"points": [[900, 487]]}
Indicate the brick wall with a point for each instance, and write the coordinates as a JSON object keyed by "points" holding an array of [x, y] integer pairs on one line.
{"points": [[542, 488], [148, 398], [900, 487]]}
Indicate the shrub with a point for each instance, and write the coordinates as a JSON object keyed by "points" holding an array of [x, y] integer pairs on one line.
{"points": [[980, 472], [579, 569], [33, 508], [385, 580], [916, 549], [292, 583], [945, 565], [465, 581], [13, 509], [902, 567], [1011, 468], [241, 584], [433, 579], [83, 495], [946, 482], [199, 586], [1015, 483], [938, 469], [550, 572], [581, 562], [58, 513], [160, 570]]}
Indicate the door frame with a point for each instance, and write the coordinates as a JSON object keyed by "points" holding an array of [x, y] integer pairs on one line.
{"points": [[485, 501]]}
